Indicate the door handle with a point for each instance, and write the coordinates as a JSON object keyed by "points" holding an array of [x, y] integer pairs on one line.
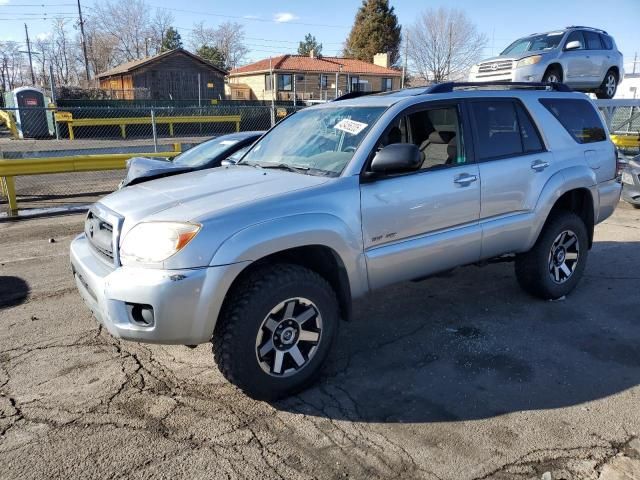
{"points": [[465, 179], [539, 165]]}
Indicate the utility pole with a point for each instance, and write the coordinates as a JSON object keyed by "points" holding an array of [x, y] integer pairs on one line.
{"points": [[33, 77], [404, 66], [635, 62], [84, 42]]}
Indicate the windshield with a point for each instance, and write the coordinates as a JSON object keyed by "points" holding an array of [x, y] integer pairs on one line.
{"points": [[315, 141], [206, 151], [535, 43]]}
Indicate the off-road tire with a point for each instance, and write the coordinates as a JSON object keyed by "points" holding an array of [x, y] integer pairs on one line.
{"points": [[246, 307], [532, 267], [602, 92]]}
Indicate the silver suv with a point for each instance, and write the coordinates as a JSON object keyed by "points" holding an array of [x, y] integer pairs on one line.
{"points": [[584, 58], [263, 257]]}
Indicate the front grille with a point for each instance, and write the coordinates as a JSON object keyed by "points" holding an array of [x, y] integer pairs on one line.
{"points": [[495, 67], [99, 232]]}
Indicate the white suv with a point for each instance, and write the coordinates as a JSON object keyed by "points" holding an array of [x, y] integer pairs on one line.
{"points": [[584, 58]]}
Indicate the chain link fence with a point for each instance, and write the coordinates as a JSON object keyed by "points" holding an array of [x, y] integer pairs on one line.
{"points": [[138, 130]]}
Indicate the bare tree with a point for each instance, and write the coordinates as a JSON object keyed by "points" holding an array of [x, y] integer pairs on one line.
{"points": [[160, 23], [228, 38], [443, 45], [128, 22]]}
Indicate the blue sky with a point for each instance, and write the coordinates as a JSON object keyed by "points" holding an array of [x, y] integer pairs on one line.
{"points": [[275, 27]]}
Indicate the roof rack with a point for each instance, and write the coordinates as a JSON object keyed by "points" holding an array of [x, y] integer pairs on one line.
{"points": [[349, 95], [449, 87], [587, 28]]}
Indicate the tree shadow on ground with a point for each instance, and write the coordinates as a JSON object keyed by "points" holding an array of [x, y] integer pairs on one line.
{"points": [[13, 291], [472, 345]]}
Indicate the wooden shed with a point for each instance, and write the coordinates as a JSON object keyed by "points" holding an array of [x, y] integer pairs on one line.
{"points": [[171, 75]]}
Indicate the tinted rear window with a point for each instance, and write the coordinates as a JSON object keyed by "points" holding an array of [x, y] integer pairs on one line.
{"points": [[607, 42], [578, 117], [593, 41]]}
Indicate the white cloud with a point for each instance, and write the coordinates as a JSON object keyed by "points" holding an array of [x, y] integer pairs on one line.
{"points": [[42, 35], [4, 2], [281, 17]]}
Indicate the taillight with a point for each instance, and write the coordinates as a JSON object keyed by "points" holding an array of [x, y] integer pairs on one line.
{"points": [[621, 163]]}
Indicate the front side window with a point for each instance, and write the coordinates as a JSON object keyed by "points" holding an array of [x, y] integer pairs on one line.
{"points": [[578, 117], [576, 36], [435, 131], [534, 43], [503, 129], [285, 82], [315, 141], [593, 41]]}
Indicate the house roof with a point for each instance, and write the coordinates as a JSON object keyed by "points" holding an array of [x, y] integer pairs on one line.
{"points": [[129, 66], [303, 63]]}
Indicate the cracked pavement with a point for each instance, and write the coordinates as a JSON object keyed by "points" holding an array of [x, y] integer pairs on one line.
{"points": [[461, 376]]}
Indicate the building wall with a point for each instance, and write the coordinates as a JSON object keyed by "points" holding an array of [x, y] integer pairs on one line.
{"points": [[308, 87], [176, 77]]}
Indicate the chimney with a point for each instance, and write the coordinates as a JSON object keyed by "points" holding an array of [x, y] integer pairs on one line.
{"points": [[381, 59], [312, 53]]}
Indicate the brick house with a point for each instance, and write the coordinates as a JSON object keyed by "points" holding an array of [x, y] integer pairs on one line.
{"points": [[311, 77]]}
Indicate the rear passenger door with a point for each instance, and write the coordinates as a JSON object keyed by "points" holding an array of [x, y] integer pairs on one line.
{"points": [[597, 57], [514, 167]]}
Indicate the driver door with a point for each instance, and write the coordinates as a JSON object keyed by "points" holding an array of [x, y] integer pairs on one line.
{"points": [[418, 223]]}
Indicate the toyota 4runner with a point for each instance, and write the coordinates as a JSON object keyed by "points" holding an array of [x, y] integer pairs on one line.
{"points": [[264, 257]]}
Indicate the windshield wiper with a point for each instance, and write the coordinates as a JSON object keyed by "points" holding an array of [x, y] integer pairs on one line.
{"points": [[285, 166]]}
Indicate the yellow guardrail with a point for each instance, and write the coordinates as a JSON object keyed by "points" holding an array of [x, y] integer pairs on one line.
{"points": [[10, 168], [626, 141], [8, 119], [66, 117]]}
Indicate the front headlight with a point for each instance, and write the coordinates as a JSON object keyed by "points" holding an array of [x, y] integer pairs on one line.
{"points": [[153, 242], [532, 60]]}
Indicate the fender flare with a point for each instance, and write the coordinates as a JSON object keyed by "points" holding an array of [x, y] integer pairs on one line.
{"points": [[266, 238], [563, 181]]}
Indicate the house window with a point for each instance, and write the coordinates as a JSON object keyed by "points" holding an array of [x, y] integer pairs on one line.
{"points": [[299, 78], [285, 82], [387, 84], [267, 81], [355, 84], [324, 81]]}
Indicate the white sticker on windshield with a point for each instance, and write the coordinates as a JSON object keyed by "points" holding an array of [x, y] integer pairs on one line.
{"points": [[350, 126], [228, 142]]}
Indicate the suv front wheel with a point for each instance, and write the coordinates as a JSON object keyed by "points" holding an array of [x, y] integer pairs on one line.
{"points": [[555, 264], [609, 86], [276, 330]]}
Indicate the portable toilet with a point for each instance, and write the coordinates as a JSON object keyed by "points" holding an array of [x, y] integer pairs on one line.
{"points": [[28, 105]]}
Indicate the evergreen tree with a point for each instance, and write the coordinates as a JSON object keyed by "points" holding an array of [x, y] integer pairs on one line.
{"points": [[171, 40], [309, 43], [212, 55], [375, 30]]}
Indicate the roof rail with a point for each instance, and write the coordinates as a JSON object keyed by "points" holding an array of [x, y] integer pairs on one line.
{"points": [[451, 86], [587, 28], [356, 94]]}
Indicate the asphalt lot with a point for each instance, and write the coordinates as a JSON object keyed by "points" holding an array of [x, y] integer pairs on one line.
{"points": [[456, 377]]}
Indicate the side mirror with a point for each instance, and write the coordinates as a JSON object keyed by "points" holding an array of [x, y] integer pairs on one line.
{"points": [[397, 158], [574, 45]]}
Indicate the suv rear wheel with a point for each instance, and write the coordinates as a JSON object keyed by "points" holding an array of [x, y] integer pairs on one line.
{"points": [[609, 86], [276, 330], [555, 264]]}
